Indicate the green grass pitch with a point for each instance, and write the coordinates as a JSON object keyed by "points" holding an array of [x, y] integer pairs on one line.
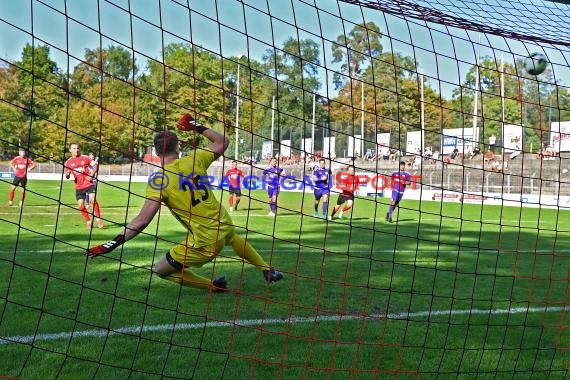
{"points": [[447, 291]]}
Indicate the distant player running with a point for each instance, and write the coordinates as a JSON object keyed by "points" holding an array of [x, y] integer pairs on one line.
{"points": [[78, 165], [21, 166], [272, 175], [321, 176], [399, 180], [235, 175], [208, 227], [347, 181]]}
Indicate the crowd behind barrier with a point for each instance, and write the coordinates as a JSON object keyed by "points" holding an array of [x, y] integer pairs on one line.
{"points": [[527, 173]]}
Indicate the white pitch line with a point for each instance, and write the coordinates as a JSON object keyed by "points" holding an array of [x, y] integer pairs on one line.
{"points": [[447, 219], [317, 250], [134, 330]]}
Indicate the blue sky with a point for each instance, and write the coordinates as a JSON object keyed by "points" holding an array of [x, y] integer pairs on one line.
{"points": [[232, 28]]}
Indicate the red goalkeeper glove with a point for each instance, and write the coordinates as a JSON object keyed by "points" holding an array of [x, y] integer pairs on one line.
{"points": [[105, 247], [187, 123]]}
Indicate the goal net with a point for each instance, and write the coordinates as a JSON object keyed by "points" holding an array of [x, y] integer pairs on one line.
{"points": [[403, 165]]}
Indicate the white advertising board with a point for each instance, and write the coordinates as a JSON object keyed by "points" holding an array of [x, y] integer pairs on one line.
{"points": [[512, 138], [266, 148], [383, 139], [329, 147], [460, 138], [413, 142], [285, 148], [560, 136], [354, 144], [307, 146]]}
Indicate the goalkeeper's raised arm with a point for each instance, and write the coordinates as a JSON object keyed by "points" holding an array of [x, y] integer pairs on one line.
{"points": [[219, 142]]}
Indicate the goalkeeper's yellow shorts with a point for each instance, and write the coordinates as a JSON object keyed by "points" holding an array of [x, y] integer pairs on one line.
{"points": [[183, 255]]}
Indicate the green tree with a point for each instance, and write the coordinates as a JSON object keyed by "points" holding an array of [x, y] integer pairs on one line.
{"points": [[294, 69], [189, 80], [256, 91], [362, 43], [43, 86], [103, 110], [36, 64], [392, 103], [12, 107], [524, 102], [35, 90], [535, 96], [558, 104], [112, 62]]}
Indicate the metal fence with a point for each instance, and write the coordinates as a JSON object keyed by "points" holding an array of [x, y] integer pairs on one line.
{"points": [[489, 182], [435, 177]]}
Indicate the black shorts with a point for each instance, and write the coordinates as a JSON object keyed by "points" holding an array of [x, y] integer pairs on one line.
{"points": [[22, 181], [173, 262], [343, 198], [80, 194], [237, 192]]}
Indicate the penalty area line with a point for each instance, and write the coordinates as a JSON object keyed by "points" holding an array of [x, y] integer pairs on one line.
{"points": [[134, 330], [316, 250]]}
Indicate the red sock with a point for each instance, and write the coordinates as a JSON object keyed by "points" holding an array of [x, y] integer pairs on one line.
{"points": [[84, 212], [231, 200], [335, 209], [96, 210], [237, 200], [12, 195], [346, 208]]}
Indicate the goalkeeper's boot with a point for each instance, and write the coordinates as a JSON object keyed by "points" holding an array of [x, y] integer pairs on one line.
{"points": [[272, 275], [220, 285]]}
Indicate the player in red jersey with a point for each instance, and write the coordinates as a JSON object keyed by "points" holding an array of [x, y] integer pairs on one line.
{"points": [[235, 175], [348, 183], [78, 165], [21, 166]]}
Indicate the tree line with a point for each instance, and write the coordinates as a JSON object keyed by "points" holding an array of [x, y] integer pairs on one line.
{"points": [[112, 104]]}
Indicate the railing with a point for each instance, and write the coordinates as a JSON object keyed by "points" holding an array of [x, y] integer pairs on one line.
{"points": [[128, 169], [434, 177], [489, 182]]}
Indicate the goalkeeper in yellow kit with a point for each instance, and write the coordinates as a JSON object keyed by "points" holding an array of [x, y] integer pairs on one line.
{"points": [[179, 185]]}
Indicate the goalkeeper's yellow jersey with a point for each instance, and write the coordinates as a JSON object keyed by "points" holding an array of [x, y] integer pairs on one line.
{"points": [[181, 186]]}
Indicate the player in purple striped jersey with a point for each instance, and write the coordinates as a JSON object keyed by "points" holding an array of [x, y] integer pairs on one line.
{"points": [[94, 161], [321, 176], [272, 175], [400, 179]]}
